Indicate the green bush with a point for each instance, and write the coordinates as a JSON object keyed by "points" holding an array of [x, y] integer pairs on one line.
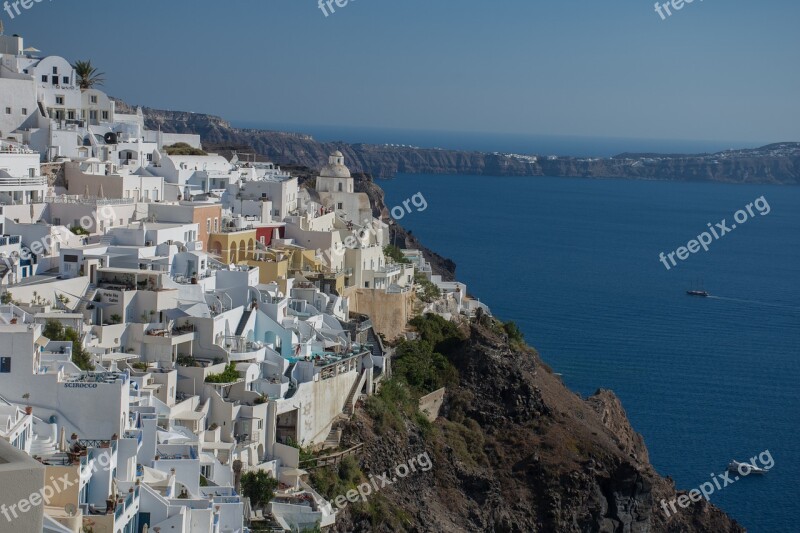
{"points": [[396, 254], [259, 487], [55, 331], [427, 290], [183, 149], [229, 375]]}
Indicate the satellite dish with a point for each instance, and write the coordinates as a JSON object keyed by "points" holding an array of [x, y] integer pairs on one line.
{"points": [[70, 509]]}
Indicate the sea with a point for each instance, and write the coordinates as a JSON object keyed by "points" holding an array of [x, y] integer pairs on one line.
{"points": [[575, 263]]}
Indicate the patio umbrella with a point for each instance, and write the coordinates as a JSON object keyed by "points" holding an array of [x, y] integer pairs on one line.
{"points": [[100, 192]]}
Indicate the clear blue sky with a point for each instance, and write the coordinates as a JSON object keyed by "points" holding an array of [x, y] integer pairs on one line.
{"points": [[716, 70]]}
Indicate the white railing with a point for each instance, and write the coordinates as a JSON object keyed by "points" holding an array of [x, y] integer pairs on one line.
{"points": [[37, 181]]}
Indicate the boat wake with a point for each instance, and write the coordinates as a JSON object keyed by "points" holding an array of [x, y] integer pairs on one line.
{"points": [[755, 302]]}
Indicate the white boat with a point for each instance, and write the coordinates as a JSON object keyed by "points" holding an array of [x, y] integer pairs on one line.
{"points": [[745, 469]]}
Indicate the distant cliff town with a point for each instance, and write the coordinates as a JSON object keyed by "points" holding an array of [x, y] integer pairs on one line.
{"points": [[775, 163]]}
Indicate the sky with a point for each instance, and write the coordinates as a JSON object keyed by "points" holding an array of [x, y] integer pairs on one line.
{"points": [[714, 70]]}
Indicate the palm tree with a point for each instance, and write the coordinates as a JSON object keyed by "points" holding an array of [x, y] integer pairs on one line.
{"points": [[88, 76]]}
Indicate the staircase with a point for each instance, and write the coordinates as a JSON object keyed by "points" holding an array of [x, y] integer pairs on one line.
{"points": [[43, 447], [243, 322], [373, 340], [333, 439], [350, 404], [329, 307], [288, 374], [90, 292]]}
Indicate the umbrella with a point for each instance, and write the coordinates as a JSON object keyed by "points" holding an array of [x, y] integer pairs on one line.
{"points": [[62, 442], [100, 192]]}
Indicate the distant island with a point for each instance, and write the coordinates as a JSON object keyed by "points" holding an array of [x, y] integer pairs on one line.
{"points": [[775, 163]]}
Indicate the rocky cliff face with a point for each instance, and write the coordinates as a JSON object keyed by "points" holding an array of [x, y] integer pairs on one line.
{"points": [[771, 164], [515, 451]]}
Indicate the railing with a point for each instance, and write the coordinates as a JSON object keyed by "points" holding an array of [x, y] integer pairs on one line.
{"points": [[88, 201], [37, 181]]}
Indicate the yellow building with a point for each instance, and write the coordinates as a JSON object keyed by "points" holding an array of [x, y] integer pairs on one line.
{"points": [[272, 266], [233, 246]]}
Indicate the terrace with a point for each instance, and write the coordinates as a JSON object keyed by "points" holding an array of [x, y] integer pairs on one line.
{"points": [[96, 377]]}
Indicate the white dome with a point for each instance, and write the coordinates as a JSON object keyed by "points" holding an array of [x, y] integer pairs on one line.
{"points": [[335, 167]]}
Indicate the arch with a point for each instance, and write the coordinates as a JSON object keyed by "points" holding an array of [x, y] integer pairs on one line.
{"points": [[232, 256], [216, 248], [251, 245], [242, 251]]}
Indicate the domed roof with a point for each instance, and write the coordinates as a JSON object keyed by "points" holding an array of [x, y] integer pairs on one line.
{"points": [[335, 167], [335, 171]]}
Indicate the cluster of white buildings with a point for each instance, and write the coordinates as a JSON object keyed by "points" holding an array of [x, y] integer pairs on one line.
{"points": [[228, 316]]}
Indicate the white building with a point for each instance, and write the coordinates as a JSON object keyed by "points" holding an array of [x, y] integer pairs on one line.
{"points": [[21, 181], [336, 190]]}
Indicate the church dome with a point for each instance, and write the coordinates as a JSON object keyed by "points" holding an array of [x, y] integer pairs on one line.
{"points": [[335, 167]]}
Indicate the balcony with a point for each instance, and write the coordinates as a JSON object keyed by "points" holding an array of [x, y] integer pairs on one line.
{"points": [[35, 182], [240, 349], [10, 240]]}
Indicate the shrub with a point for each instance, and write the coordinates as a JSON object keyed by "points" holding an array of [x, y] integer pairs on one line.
{"points": [[55, 331], [229, 375], [259, 487], [396, 254], [183, 149]]}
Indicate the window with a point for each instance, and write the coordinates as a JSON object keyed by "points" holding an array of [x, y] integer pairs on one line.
{"points": [[93, 99], [44, 78], [339, 206], [56, 221], [65, 80], [149, 157], [25, 111], [60, 100], [5, 365], [208, 225], [92, 115], [105, 115], [8, 111], [31, 172], [216, 224], [71, 114], [55, 70], [55, 80], [340, 187]]}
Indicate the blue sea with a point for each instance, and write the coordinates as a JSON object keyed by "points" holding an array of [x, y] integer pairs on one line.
{"points": [[575, 263]]}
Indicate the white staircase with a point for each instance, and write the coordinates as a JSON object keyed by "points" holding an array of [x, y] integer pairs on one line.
{"points": [[43, 447]]}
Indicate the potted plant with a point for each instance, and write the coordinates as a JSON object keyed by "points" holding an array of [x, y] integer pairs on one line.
{"points": [[28, 409]]}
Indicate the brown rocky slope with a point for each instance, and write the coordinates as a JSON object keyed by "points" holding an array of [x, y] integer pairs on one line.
{"points": [[516, 451]]}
